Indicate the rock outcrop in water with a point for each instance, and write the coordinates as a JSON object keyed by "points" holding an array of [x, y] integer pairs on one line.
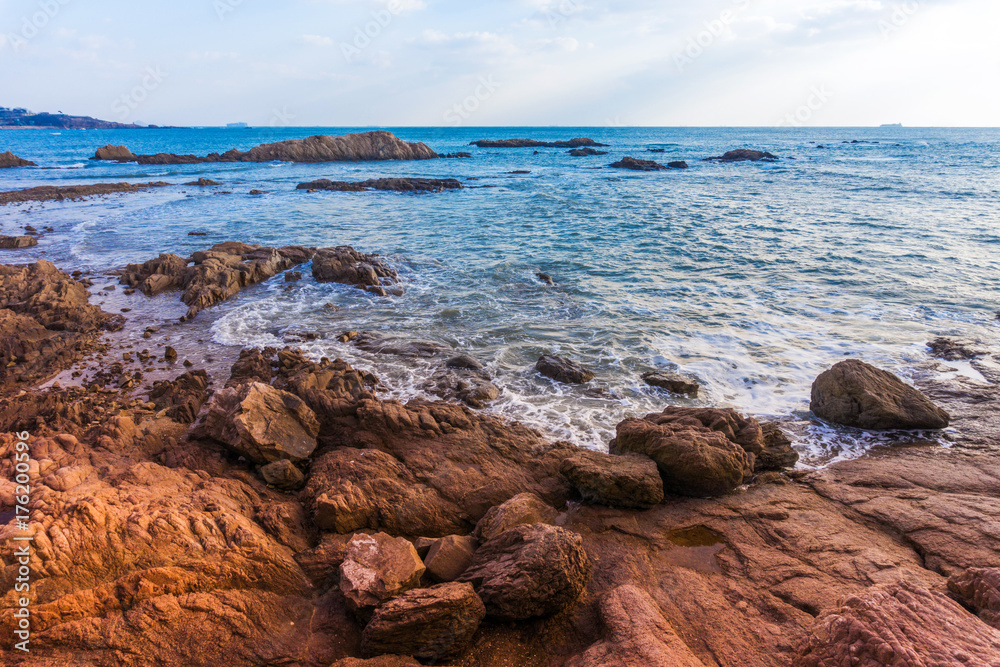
{"points": [[387, 184], [637, 165], [744, 155], [346, 265], [857, 394], [8, 160], [532, 143], [362, 147], [72, 192], [211, 276], [17, 242], [586, 152], [561, 369]]}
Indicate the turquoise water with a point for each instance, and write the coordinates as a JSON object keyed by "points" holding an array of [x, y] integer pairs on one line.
{"points": [[752, 277]]}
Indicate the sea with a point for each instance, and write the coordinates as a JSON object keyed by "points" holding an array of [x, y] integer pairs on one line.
{"points": [[752, 278]]}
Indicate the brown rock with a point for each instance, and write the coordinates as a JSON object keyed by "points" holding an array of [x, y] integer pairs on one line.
{"points": [[630, 480], [636, 635], [853, 393], [380, 661], [468, 387], [8, 160], [361, 147], [72, 192], [900, 624], [561, 369], [283, 474], [672, 382], [346, 265], [262, 423], [744, 155], [17, 242], [694, 459], [377, 568], [979, 589], [204, 182], [528, 571], [400, 347], [434, 623], [388, 184], [954, 350], [524, 508], [181, 398], [638, 165], [450, 556], [534, 143]]}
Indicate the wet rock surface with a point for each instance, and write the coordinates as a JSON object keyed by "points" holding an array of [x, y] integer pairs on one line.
{"points": [[361, 147], [346, 265], [954, 350], [73, 192], [638, 165], [586, 152], [386, 184], [672, 382], [211, 276], [17, 242], [857, 394], [532, 143], [744, 155], [563, 370]]}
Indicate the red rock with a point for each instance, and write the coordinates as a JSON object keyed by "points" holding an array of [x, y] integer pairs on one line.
{"points": [[450, 556], [430, 623], [346, 265], [524, 508], [979, 588], [563, 370], [900, 625], [630, 480], [377, 568], [529, 571], [636, 635]]}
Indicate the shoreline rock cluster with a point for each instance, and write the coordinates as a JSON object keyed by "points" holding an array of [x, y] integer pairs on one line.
{"points": [[319, 524], [580, 142], [362, 147], [8, 161], [386, 184], [72, 192]]}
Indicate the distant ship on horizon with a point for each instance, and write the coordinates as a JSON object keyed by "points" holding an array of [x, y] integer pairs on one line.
{"points": [[891, 125], [237, 126]]}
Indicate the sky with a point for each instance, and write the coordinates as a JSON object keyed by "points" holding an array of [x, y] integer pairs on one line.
{"points": [[505, 62]]}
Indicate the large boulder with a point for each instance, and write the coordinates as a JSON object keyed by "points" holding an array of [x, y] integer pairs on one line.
{"points": [[675, 383], [854, 393], [637, 165], [17, 242], [694, 459], [346, 265], [528, 571], [903, 625], [979, 589], [524, 508], [627, 481], [434, 623], [561, 369], [377, 568], [261, 422], [8, 160], [636, 635]]}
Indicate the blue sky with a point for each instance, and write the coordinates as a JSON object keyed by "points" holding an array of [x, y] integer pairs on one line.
{"points": [[506, 62]]}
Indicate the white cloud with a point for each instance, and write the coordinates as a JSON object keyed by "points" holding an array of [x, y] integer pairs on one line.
{"points": [[316, 40]]}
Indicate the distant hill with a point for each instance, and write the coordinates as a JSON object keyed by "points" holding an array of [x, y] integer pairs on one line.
{"points": [[25, 118]]}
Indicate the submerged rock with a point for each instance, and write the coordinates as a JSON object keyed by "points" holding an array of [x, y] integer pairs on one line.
{"points": [[637, 165], [9, 160], [672, 382], [532, 143], [17, 242], [744, 155], [529, 571], [361, 147], [585, 152], [561, 369], [433, 623], [954, 350], [390, 184], [73, 192], [400, 347], [856, 394]]}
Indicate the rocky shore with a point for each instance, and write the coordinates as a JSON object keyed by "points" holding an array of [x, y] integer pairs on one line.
{"points": [[8, 160], [72, 192], [287, 513]]}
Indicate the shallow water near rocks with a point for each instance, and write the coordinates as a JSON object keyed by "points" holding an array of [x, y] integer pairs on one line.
{"points": [[751, 277], [696, 548]]}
